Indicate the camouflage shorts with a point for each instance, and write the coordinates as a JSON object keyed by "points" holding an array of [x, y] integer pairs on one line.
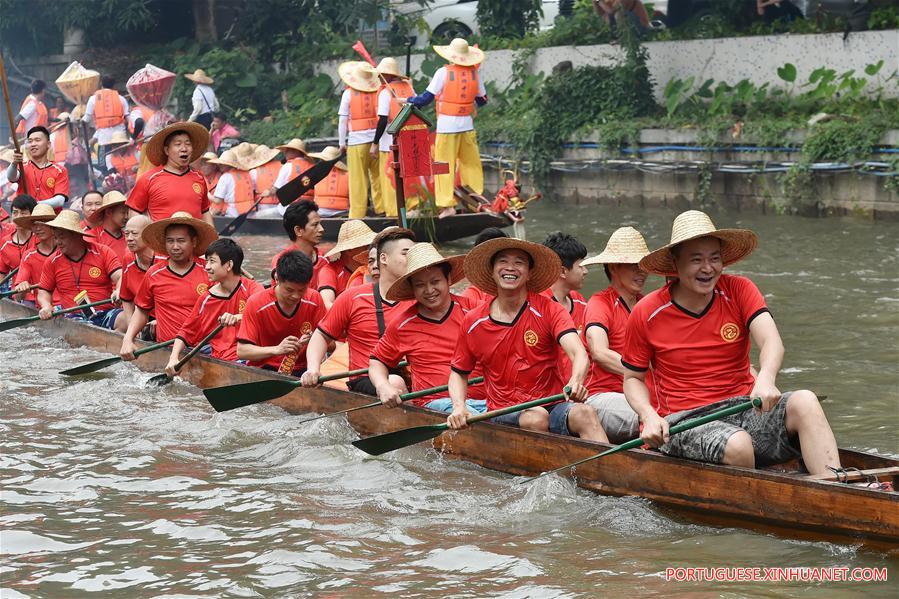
{"points": [[770, 441]]}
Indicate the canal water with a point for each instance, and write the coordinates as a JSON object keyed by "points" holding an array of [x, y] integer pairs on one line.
{"points": [[109, 488]]}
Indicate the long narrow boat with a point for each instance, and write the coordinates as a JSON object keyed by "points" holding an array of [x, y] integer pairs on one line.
{"points": [[783, 500], [440, 230]]}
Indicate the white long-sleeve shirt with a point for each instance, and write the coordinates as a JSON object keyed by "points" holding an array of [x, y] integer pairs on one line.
{"points": [[203, 101]]}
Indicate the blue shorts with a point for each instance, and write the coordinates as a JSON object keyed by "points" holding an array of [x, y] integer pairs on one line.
{"points": [[445, 404], [105, 319], [558, 417]]}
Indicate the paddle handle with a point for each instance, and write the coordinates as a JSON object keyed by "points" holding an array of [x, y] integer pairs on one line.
{"points": [[12, 292], [80, 307], [516, 408], [432, 390], [9, 275], [155, 346], [360, 371], [198, 347]]}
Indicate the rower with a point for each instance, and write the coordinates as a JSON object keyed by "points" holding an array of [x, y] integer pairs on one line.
{"points": [[566, 288], [114, 214], [457, 87], [273, 318], [32, 264], [605, 321], [362, 315], [210, 171], [141, 258], [21, 241], [425, 332], [170, 288], [172, 185], [234, 191], [46, 182], [391, 98], [90, 206], [122, 156], [365, 273], [353, 240], [516, 339], [304, 228], [332, 194], [357, 121], [472, 292], [79, 266], [695, 334], [297, 162], [223, 303]]}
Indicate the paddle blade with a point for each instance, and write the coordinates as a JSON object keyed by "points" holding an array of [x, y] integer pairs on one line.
{"points": [[387, 442], [231, 397], [16, 322], [234, 225], [293, 189], [92, 367], [159, 380]]}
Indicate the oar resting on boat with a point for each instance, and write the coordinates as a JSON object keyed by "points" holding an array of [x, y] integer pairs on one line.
{"points": [[11, 324], [164, 379]]}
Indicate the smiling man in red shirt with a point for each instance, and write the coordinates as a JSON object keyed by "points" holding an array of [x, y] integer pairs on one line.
{"points": [[695, 335], [46, 182], [304, 229]]}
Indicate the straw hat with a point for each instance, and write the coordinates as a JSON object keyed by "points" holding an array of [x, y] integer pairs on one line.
{"points": [[200, 76], [359, 75], [229, 158], [625, 246], [119, 137], [389, 66], [329, 153], [262, 154], [420, 257], [63, 116], [736, 244], [199, 139], [543, 274], [209, 156], [41, 213], [460, 53], [68, 220], [294, 144], [353, 235], [154, 233], [112, 198], [6, 155]]}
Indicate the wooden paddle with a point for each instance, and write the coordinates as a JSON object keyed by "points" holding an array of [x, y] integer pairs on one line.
{"points": [[164, 379], [410, 436], [12, 292], [22, 183], [9, 275], [231, 397], [404, 397], [677, 428], [101, 364], [17, 322]]}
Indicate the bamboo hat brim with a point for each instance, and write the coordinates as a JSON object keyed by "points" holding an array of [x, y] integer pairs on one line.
{"points": [[200, 76], [625, 246], [359, 75], [296, 144], [112, 198], [544, 272], [330, 153], [459, 52], [42, 213], [736, 244], [262, 155], [389, 66], [422, 256], [68, 220], [229, 158], [199, 139], [353, 234], [154, 233]]}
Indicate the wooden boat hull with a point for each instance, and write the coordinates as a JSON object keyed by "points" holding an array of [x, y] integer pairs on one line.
{"points": [[787, 502], [441, 230]]}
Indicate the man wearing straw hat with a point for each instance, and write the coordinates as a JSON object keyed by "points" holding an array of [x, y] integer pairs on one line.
{"points": [[332, 194], [122, 157], [108, 111], [396, 89], [110, 233], [357, 121], [234, 192], [172, 186], [297, 162], [266, 166], [203, 100], [458, 88], [517, 338], [425, 333], [345, 257], [695, 334], [605, 321], [79, 269], [209, 170], [48, 183], [171, 288], [32, 264]]}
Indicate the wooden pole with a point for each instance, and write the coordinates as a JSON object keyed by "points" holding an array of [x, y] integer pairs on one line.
{"points": [[22, 184], [398, 181]]}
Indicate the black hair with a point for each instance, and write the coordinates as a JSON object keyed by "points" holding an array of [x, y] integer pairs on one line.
{"points": [[220, 115], [297, 215], [394, 234], [107, 81], [488, 234], [24, 202], [605, 267], [528, 254], [169, 137], [87, 193], [37, 86], [227, 250], [190, 230], [38, 129], [567, 247], [294, 267]]}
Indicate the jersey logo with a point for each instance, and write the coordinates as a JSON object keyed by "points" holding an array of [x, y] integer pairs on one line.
{"points": [[730, 332], [305, 181], [306, 328], [201, 288], [50, 181], [198, 189], [241, 305], [530, 338], [94, 272]]}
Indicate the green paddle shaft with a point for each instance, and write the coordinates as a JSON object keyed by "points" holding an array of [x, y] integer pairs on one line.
{"points": [[404, 397], [164, 378], [101, 364], [677, 428], [12, 292], [9, 275], [11, 324]]}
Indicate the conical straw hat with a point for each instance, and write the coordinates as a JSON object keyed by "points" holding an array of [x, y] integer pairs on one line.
{"points": [[359, 75], [200, 76], [119, 137], [154, 233], [209, 156], [229, 158], [625, 246], [543, 274], [459, 52], [68, 220], [113, 198], [262, 154], [329, 153], [736, 244], [353, 234], [389, 66], [294, 144], [420, 257], [41, 213], [199, 139]]}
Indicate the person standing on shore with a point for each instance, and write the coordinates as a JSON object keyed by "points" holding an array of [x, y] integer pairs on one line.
{"points": [[204, 102], [357, 121]]}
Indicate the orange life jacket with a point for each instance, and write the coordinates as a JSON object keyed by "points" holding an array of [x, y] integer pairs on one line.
{"points": [[363, 110], [265, 178], [333, 192], [124, 162], [359, 273], [243, 191], [212, 181], [459, 91], [108, 111], [401, 89], [43, 117], [145, 114], [54, 113], [298, 166], [60, 142]]}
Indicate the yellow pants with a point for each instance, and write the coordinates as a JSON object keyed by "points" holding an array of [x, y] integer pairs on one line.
{"points": [[461, 147], [388, 191], [363, 171]]}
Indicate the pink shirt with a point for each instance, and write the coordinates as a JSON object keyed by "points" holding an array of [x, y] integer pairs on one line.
{"points": [[219, 134]]}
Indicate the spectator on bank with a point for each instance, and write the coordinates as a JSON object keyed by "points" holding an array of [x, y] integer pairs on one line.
{"points": [[777, 10], [204, 102], [221, 129], [632, 9]]}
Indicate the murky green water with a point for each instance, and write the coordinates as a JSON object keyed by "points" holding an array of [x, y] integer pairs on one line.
{"points": [[108, 488]]}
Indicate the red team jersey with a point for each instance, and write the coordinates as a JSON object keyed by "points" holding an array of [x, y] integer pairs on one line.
{"points": [[171, 296], [133, 276], [334, 276], [265, 324], [476, 295], [578, 308], [161, 193], [353, 316], [519, 358], [91, 273], [44, 183], [696, 359], [11, 253], [609, 312], [428, 345], [117, 244], [204, 317], [30, 270]]}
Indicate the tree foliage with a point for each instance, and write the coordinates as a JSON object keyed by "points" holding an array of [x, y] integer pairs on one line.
{"points": [[509, 18]]}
